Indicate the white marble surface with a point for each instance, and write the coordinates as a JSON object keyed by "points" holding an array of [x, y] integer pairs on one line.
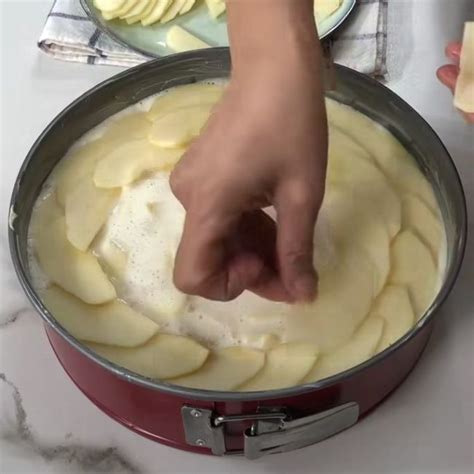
{"points": [[47, 426]]}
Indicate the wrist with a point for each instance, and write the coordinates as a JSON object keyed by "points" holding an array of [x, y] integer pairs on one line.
{"points": [[274, 36]]}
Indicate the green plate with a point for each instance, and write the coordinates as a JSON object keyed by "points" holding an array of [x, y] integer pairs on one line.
{"points": [[151, 40]]}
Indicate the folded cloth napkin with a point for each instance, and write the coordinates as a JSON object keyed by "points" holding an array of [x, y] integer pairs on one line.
{"points": [[68, 34]]}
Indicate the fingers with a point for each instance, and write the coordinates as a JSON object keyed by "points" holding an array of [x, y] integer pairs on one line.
{"points": [[201, 260], [297, 210], [448, 75], [453, 52], [257, 235], [218, 258]]}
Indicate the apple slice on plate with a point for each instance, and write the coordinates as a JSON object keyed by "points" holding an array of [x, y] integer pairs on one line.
{"points": [[188, 4], [216, 8], [124, 9], [173, 10], [136, 18], [139, 7], [112, 323], [225, 369], [360, 347], [285, 366], [156, 13], [179, 40], [162, 357], [109, 5]]}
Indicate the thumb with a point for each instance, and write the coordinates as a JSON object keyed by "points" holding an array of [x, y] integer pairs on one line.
{"points": [[297, 210]]}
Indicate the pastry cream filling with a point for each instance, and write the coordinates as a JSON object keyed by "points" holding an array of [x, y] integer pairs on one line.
{"points": [[105, 232]]}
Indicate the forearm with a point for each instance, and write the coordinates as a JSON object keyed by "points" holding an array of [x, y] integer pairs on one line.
{"points": [[273, 34]]}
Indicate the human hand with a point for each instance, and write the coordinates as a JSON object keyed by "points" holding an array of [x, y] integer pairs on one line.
{"points": [[265, 144], [449, 73]]}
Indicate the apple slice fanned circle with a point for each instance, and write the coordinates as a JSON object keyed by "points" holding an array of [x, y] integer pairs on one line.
{"points": [[361, 346], [81, 161], [389, 154], [130, 161], [285, 366], [352, 167], [419, 218], [113, 323], [394, 307], [178, 128], [225, 369], [185, 96], [162, 357], [413, 266], [77, 272], [87, 209], [346, 291]]}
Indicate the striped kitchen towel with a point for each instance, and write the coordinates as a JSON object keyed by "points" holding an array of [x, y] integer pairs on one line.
{"points": [[68, 34]]}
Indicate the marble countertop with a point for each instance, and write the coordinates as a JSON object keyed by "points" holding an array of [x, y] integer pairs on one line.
{"points": [[47, 426]]}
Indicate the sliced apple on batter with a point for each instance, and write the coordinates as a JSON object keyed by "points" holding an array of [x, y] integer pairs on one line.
{"points": [[190, 95], [361, 347], [131, 160], [179, 127], [162, 357], [225, 369], [262, 342], [394, 307], [351, 165], [418, 217], [129, 127], [413, 266], [75, 166], [113, 323], [352, 223], [172, 301], [112, 258], [285, 366], [156, 13], [77, 272], [390, 155], [346, 292], [87, 209]]}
